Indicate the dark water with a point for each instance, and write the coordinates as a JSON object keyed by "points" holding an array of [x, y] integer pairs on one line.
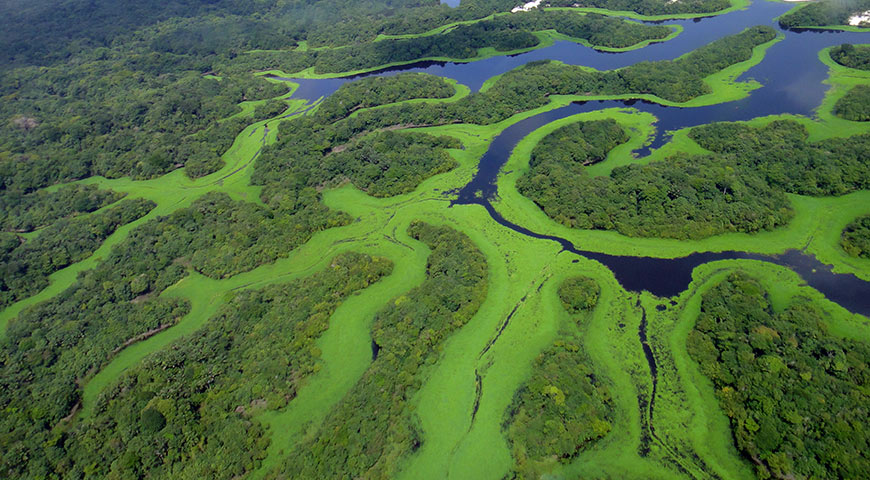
{"points": [[791, 75]]}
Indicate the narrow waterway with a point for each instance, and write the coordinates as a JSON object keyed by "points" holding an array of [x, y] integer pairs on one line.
{"points": [[792, 82]]}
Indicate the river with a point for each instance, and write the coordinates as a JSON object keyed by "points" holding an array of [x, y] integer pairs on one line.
{"points": [[792, 77]]}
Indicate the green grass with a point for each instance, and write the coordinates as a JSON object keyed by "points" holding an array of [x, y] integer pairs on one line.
{"points": [[687, 412], [524, 274], [816, 226]]}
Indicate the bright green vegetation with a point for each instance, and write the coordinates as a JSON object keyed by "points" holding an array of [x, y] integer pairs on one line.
{"points": [[856, 237], [826, 13], [741, 188], [677, 80], [56, 346], [25, 266], [531, 86], [327, 151], [373, 428], [564, 406], [794, 390], [682, 197], [506, 33], [312, 308], [24, 213], [855, 104], [190, 411]]}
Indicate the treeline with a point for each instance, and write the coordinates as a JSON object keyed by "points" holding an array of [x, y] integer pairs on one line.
{"points": [[504, 33], [855, 104], [319, 151], [739, 188], [579, 143], [563, 407], [139, 124], [188, 411], [780, 154], [852, 56], [795, 393], [53, 348], [823, 14], [25, 213], [25, 266], [373, 427], [199, 27], [675, 80], [529, 87], [650, 7], [856, 237], [681, 197], [370, 92]]}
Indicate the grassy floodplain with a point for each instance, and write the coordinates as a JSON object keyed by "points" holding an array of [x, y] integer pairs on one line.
{"points": [[687, 414], [483, 364], [816, 226]]}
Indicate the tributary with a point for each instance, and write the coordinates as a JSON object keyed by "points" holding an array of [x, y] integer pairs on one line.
{"points": [[792, 77]]}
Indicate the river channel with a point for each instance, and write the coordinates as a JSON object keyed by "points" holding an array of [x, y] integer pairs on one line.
{"points": [[792, 77]]}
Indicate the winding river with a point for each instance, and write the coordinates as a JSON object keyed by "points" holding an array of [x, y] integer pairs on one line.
{"points": [[791, 75]]}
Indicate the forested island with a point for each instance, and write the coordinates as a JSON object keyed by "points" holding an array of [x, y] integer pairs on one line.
{"points": [[398, 240]]}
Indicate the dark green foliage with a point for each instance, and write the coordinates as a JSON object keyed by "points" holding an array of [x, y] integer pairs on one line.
{"points": [[852, 56], [855, 104], [219, 237], [824, 13], [141, 123], [198, 398], [563, 407], [504, 33], [682, 197], [856, 238], [560, 411], [429, 16], [580, 143], [24, 270], [651, 7], [796, 394], [198, 27], [152, 421], [529, 87], [373, 427], [270, 109], [374, 91], [579, 294], [327, 148], [59, 344], [780, 154], [24, 213], [52, 349], [388, 163]]}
